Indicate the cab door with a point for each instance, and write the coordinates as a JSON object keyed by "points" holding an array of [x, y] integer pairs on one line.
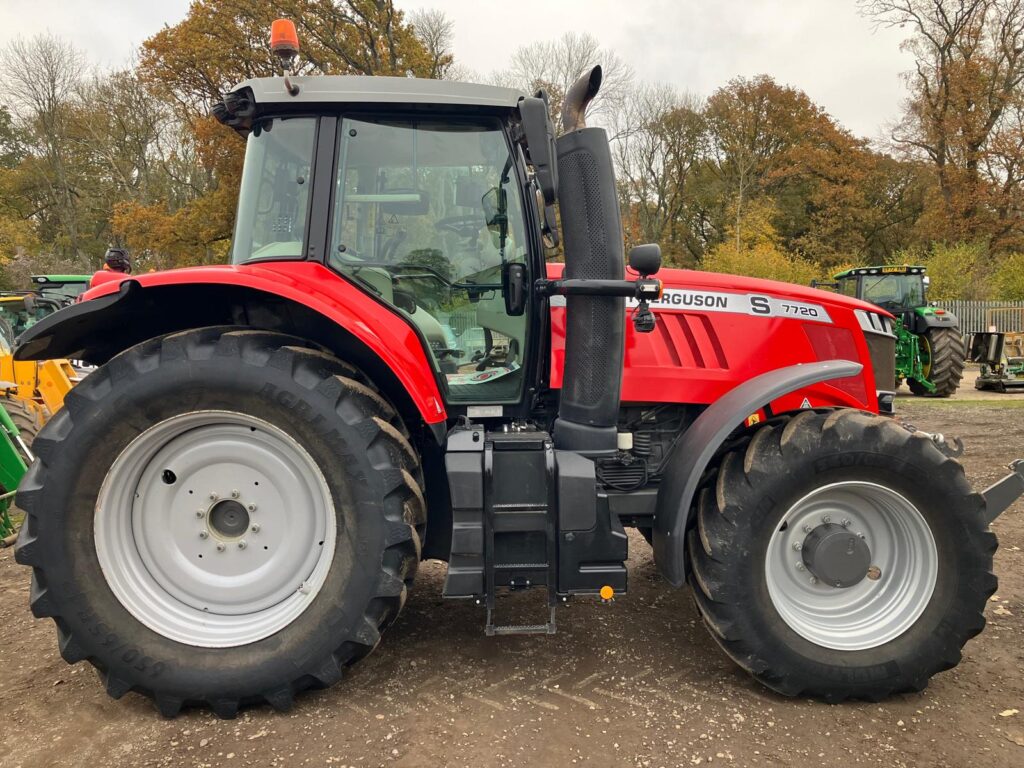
{"points": [[427, 216]]}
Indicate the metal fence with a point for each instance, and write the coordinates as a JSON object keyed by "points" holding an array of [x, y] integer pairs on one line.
{"points": [[977, 316]]}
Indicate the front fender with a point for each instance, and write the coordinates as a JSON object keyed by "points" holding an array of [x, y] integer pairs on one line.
{"points": [[302, 298], [698, 445]]}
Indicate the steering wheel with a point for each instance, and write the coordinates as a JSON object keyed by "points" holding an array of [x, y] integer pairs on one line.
{"points": [[463, 226]]}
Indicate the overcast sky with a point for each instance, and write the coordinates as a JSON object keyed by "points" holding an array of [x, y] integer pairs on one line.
{"points": [[821, 46]]}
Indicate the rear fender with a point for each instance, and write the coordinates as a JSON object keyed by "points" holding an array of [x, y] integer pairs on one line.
{"points": [[318, 306], [699, 444]]}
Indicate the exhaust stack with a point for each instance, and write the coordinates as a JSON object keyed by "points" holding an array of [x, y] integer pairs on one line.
{"points": [[595, 325]]}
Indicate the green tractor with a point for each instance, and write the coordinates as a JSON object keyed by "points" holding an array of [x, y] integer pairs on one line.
{"points": [[930, 349], [63, 288]]}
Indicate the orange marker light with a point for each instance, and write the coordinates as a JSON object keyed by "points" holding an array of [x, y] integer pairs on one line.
{"points": [[284, 40], [607, 593]]}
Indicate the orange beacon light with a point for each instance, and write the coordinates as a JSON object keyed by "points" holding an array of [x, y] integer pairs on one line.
{"points": [[284, 40]]}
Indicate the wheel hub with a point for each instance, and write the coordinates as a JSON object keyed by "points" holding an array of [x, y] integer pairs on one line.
{"points": [[835, 555], [235, 567], [808, 555], [228, 519]]}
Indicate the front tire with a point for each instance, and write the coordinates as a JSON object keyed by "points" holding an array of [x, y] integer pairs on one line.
{"points": [[193, 593], [878, 630]]}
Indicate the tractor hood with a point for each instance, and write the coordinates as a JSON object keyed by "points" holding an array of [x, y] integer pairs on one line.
{"points": [[717, 281]]}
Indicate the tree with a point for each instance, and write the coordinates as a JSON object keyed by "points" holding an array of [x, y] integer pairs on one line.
{"points": [[220, 43], [965, 97], [555, 65], [757, 252], [39, 77], [436, 31], [661, 142]]}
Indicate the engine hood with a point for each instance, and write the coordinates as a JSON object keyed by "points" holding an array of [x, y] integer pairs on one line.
{"points": [[716, 281]]}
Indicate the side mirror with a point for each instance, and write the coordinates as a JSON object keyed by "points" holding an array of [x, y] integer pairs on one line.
{"points": [[645, 259], [926, 280], [513, 286], [540, 144]]}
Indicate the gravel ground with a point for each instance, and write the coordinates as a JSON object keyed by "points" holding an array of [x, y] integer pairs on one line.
{"points": [[635, 683]]}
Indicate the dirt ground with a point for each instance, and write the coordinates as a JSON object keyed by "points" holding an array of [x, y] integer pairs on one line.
{"points": [[635, 683]]}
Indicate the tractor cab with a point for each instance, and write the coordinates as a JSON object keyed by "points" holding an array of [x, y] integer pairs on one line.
{"points": [[426, 213], [897, 289]]}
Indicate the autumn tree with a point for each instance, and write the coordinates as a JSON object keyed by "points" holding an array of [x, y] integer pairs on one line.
{"points": [[222, 42], [964, 111], [661, 144]]}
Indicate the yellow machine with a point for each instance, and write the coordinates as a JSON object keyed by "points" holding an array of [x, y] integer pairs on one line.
{"points": [[33, 390]]}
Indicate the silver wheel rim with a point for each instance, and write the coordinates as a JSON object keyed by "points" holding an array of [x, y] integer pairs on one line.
{"points": [[215, 529], [875, 610]]}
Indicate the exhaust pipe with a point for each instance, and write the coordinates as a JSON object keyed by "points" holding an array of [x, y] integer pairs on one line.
{"points": [[595, 331], [578, 98]]}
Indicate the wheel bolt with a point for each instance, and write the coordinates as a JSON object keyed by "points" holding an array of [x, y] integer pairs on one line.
{"points": [[845, 522], [874, 573], [814, 579], [214, 497], [235, 494], [800, 566], [203, 534], [241, 544], [826, 519], [200, 512], [860, 535], [251, 507], [807, 529], [797, 545], [220, 547], [256, 528]]}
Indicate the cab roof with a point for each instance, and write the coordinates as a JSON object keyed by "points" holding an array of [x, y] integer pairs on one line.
{"points": [[363, 89], [882, 269]]}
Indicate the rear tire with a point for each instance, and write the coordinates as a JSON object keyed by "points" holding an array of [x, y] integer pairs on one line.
{"points": [[288, 392], [947, 354], [909, 628]]}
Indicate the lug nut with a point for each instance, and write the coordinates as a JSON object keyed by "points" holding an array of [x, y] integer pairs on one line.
{"points": [[203, 534], [807, 528], [860, 535], [798, 545], [826, 519], [814, 579], [251, 507], [235, 494], [220, 547], [800, 566], [214, 497], [874, 573], [845, 522], [200, 512], [256, 528], [241, 544]]}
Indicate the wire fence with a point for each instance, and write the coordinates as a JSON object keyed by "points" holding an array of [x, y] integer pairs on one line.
{"points": [[979, 316]]}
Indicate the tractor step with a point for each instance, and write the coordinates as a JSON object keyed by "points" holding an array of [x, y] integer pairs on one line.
{"points": [[493, 629]]}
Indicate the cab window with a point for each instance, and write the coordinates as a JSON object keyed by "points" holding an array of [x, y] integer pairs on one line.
{"points": [[273, 199], [848, 286], [426, 216]]}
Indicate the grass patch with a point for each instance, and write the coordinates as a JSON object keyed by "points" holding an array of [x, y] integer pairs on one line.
{"points": [[952, 402]]}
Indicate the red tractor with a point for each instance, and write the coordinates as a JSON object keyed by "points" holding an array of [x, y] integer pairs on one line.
{"points": [[232, 507]]}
